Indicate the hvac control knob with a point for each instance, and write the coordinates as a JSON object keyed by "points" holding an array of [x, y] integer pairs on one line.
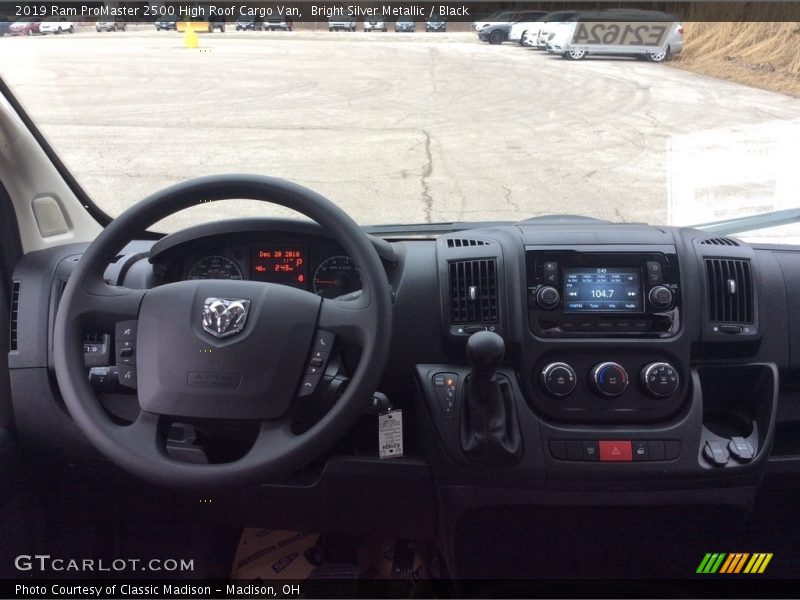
{"points": [[558, 379], [661, 296], [548, 297], [609, 379], [660, 379]]}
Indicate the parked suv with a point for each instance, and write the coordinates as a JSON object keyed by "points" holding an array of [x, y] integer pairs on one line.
{"points": [[249, 24], [56, 25], [116, 25], [405, 25]]}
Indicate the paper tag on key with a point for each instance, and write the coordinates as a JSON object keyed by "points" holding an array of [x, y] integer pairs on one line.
{"points": [[390, 434]]}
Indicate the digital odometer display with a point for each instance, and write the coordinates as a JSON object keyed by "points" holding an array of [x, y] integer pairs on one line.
{"points": [[602, 290], [286, 265]]}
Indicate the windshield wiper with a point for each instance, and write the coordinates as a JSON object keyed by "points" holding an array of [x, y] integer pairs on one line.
{"points": [[752, 222]]}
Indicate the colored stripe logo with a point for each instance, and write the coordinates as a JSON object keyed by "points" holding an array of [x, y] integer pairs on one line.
{"points": [[734, 563]]}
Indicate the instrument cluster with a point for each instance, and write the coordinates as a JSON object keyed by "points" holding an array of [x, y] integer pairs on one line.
{"points": [[310, 263]]}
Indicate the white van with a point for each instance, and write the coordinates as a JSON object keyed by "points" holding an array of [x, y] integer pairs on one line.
{"points": [[623, 32]]}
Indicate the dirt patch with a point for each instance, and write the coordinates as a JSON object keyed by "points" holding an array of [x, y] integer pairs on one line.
{"points": [[764, 55]]}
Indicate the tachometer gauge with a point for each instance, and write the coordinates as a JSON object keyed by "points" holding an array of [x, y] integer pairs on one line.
{"points": [[336, 276], [215, 267]]}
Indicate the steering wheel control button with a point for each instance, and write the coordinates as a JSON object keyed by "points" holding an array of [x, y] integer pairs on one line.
{"points": [[309, 384], [127, 375], [323, 340], [558, 379], [715, 453], [591, 451], [125, 330], [445, 386], [609, 379], [548, 297], [741, 449], [615, 451], [660, 379], [661, 297]]}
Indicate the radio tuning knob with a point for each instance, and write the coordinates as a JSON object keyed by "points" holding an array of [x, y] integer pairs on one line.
{"points": [[661, 296], [548, 297]]}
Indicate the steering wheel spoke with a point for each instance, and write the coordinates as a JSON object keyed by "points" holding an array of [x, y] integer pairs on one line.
{"points": [[103, 305], [147, 435], [349, 320]]}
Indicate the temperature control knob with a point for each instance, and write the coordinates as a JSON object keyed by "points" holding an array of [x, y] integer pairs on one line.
{"points": [[609, 379], [660, 379], [558, 379], [548, 297], [661, 296]]}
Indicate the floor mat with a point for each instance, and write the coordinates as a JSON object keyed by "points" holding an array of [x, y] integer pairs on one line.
{"points": [[332, 566]]}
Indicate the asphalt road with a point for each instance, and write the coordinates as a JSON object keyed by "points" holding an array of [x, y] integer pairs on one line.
{"points": [[406, 128]]}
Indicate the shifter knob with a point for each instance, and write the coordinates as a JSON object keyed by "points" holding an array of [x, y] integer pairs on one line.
{"points": [[485, 350]]}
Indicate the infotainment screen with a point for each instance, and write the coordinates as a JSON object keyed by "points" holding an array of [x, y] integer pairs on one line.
{"points": [[602, 290]]}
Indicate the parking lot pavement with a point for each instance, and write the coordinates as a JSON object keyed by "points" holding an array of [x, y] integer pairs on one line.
{"points": [[397, 127]]}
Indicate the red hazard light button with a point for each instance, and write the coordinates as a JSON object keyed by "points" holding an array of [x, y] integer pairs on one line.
{"points": [[615, 451]]}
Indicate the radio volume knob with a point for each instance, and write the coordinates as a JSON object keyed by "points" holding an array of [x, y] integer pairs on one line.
{"points": [[661, 296], [609, 379], [660, 379], [558, 379], [548, 297]]}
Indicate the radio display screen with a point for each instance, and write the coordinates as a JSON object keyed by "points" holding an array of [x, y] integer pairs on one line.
{"points": [[602, 290]]}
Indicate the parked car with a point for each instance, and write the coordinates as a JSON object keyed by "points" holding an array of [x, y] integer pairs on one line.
{"points": [[436, 25], [374, 25], [342, 24], [548, 29], [214, 25], [116, 25], [24, 27], [655, 36], [56, 25], [249, 24], [4, 25], [527, 26], [167, 24], [496, 32], [277, 25], [405, 25]]}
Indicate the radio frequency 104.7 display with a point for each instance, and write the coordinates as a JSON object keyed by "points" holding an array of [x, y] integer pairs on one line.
{"points": [[602, 290]]}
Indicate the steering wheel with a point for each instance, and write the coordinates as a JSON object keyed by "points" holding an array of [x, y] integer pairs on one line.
{"points": [[221, 348]]}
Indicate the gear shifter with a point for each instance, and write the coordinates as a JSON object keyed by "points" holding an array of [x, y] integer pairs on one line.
{"points": [[489, 428]]}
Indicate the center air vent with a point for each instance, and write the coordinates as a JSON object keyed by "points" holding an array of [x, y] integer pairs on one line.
{"points": [[473, 291], [465, 242], [720, 241], [14, 316], [730, 290]]}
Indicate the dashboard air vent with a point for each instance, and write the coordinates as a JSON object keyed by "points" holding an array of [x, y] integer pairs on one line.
{"points": [[720, 241], [14, 316], [464, 242], [473, 291], [730, 290]]}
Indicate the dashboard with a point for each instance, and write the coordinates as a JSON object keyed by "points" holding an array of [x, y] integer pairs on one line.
{"points": [[636, 358]]}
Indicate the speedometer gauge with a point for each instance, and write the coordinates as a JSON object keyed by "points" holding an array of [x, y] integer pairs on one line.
{"points": [[215, 267], [336, 276]]}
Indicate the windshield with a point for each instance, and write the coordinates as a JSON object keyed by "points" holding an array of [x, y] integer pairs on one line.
{"points": [[698, 123]]}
